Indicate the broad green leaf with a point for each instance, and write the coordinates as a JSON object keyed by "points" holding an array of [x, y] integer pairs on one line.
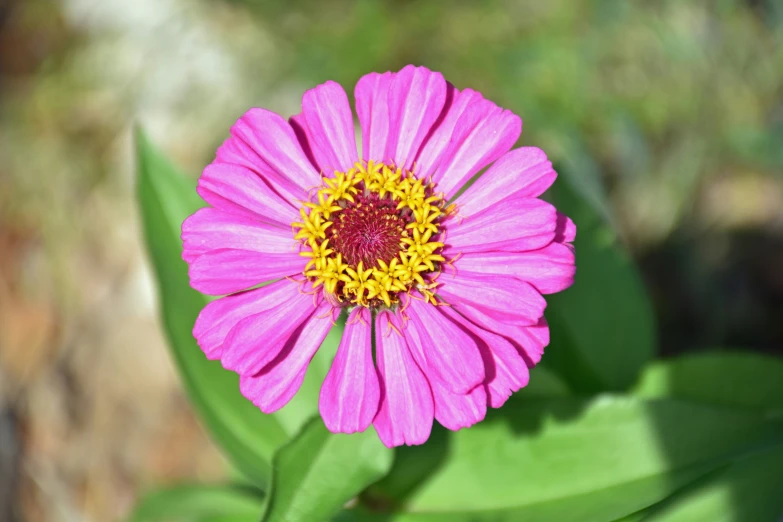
{"points": [[603, 328], [319, 471], [574, 460], [635, 517], [249, 437], [413, 465], [733, 379], [747, 490], [201, 504]]}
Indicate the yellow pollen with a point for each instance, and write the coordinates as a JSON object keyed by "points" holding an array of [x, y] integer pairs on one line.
{"points": [[370, 208]]}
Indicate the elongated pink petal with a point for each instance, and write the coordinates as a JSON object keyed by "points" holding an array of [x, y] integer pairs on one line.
{"points": [[550, 269], [278, 154], [275, 385], [565, 232], [456, 410], [506, 370], [483, 134], [350, 395], [532, 340], [505, 298], [416, 97], [304, 137], [443, 350], [221, 272], [529, 341], [510, 371], [218, 318], [524, 172], [512, 225], [213, 229], [436, 145], [372, 108], [237, 153], [330, 123], [258, 339], [239, 190], [407, 408]]}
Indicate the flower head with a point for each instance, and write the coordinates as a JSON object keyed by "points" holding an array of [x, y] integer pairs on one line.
{"points": [[449, 284]]}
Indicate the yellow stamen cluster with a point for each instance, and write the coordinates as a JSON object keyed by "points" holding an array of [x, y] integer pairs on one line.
{"points": [[415, 265]]}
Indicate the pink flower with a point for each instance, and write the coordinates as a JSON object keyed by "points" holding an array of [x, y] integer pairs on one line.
{"points": [[451, 291]]}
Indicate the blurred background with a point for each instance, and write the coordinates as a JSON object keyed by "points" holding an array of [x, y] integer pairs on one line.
{"points": [[675, 107]]}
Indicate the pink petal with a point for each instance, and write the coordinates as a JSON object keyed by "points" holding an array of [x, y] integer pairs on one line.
{"points": [[436, 145], [524, 172], [565, 232], [330, 125], [455, 410], [258, 339], [406, 409], [218, 318], [372, 94], [507, 299], [483, 134], [350, 394], [506, 369], [529, 341], [237, 153], [442, 349], [511, 371], [305, 138], [416, 97], [275, 385], [221, 272], [532, 340], [275, 146], [212, 229], [513, 225], [239, 190], [550, 269]]}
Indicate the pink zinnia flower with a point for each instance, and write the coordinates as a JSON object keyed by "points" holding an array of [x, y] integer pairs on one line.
{"points": [[451, 291]]}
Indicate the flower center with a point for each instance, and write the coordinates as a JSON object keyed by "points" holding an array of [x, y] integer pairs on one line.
{"points": [[369, 230], [370, 234]]}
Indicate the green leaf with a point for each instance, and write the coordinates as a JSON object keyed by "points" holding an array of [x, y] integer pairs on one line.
{"points": [[747, 490], [635, 517], [319, 471], [413, 465], [603, 327], [574, 460], [249, 437], [735, 379], [200, 503]]}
